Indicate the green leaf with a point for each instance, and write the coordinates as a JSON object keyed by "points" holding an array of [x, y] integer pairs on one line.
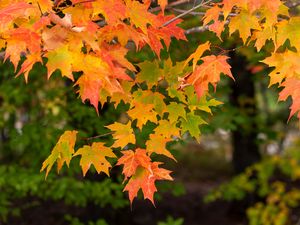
{"points": [[175, 111], [191, 124], [62, 152], [150, 73]]}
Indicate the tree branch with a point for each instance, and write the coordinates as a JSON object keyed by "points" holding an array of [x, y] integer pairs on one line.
{"points": [[196, 29], [186, 12], [196, 13], [291, 4], [99, 136]]}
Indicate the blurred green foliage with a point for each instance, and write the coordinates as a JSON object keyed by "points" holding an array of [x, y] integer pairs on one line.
{"points": [[171, 221], [273, 183], [32, 117], [76, 221]]}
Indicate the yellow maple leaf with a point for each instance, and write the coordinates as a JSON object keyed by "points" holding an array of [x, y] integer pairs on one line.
{"points": [[96, 155], [62, 152], [123, 134]]}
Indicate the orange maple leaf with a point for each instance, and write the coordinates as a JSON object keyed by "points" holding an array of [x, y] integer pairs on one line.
{"points": [[142, 172], [163, 4], [208, 73], [132, 159], [144, 179], [13, 11], [291, 88]]}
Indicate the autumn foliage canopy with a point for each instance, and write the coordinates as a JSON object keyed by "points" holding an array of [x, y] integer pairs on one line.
{"points": [[91, 38]]}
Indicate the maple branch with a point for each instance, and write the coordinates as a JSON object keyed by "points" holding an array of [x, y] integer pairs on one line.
{"points": [[199, 29], [186, 12], [292, 4], [99, 136], [198, 13]]}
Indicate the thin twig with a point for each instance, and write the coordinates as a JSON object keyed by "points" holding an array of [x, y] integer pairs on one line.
{"points": [[199, 29], [99, 136], [40, 8], [191, 13], [185, 13], [292, 4], [198, 13], [196, 29]]}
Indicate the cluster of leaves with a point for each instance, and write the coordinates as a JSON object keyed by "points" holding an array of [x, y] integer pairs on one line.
{"points": [[266, 20], [91, 39], [274, 182]]}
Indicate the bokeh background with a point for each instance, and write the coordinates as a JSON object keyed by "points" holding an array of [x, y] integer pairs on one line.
{"points": [[245, 170]]}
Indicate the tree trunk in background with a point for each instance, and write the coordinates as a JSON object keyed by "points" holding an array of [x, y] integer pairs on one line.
{"points": [[244, 138]]}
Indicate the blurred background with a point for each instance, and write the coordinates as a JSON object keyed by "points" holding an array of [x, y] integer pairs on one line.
{"points": [[246, 169]]}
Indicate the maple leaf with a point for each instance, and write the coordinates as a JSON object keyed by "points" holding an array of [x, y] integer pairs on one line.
{"points": [[172, 74], [13, 11], [167, 129], [191, 124], [142, 113], [273, 5], [123, 33], [19, 41], [139, 15], [61, 153], [291, 88], [160, 31], [217, 27], [285, 66], [150, 98], [62, 59], [44, 5], [212, 14], [137, 165], [150, 73], [96, 155], [114, 11], [145, 179], [268, 33], [209, 72], [196, 103], [175, 111], [163, 4], [27, 65], [132, 159], [197, 54], [238, 22], [288, 29], [229, 4], [157, 144], [54, 38], [90, 89], [123, 134]]}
